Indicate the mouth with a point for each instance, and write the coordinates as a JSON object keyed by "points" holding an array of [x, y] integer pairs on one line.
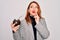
{"points": [[33, 11]]}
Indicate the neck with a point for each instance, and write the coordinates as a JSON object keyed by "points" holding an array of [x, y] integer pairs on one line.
{"points": [[32, 15]]}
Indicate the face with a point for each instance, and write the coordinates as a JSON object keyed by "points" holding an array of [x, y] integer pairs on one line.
{"points": [[33, 9]]}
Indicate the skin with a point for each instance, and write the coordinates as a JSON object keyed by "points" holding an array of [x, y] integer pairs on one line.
{"points": [[33, 12], [33, 9]]}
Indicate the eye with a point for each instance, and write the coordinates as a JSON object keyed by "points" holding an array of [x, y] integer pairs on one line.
{"points": [[31, 7], [36, 7]]}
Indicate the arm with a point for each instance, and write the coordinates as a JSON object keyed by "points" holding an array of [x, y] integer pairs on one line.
{"points": [[42, 28], [17, 35]]}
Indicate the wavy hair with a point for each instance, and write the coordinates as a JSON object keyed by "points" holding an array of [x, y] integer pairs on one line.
{"points": [[27, 18]]}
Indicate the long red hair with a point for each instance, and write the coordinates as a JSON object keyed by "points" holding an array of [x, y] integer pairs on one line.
{"points": [[27, 18]]}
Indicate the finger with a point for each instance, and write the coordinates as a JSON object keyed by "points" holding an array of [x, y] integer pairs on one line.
{"points": [[17, 27], [12, 25]]}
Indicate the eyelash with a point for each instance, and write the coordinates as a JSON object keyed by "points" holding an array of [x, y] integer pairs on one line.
{"points": [[35, 7], [31, 6]]}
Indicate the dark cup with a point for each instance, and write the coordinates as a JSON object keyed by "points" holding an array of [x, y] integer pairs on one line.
{"points": [[17, 22]]}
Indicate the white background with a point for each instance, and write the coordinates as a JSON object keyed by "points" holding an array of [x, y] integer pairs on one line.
{"points": [[11, 9]]}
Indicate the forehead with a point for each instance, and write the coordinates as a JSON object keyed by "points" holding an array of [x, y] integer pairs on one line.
{"points": [[33, 4]]}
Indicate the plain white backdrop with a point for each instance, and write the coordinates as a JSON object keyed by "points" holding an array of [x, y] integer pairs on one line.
{"points": [[13, 9]]}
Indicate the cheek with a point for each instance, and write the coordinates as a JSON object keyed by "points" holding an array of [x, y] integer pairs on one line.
{"points": [[36, 10], [30, 10]]}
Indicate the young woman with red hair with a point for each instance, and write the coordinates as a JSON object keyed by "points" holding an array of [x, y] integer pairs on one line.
{"points": [[33, 27]]}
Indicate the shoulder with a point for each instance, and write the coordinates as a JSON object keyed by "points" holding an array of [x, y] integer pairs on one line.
{"points": [[42, 19], [23, 22], [22, 25]]}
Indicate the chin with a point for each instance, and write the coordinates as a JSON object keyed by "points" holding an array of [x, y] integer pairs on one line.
{"points": [[33, 14]]}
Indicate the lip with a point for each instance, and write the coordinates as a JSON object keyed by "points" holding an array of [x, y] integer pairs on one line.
{"points": [[33, 11]]}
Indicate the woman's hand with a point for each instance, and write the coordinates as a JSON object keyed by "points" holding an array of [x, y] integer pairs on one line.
{"points": [[36, 18], [14, 28], [15, 25]]}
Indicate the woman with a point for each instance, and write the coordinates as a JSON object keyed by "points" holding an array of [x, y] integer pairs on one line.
{"points": [[33, 27]]}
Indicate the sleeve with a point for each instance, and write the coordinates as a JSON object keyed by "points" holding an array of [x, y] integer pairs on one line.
{"points": [[42, 28], [17, 35]]}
